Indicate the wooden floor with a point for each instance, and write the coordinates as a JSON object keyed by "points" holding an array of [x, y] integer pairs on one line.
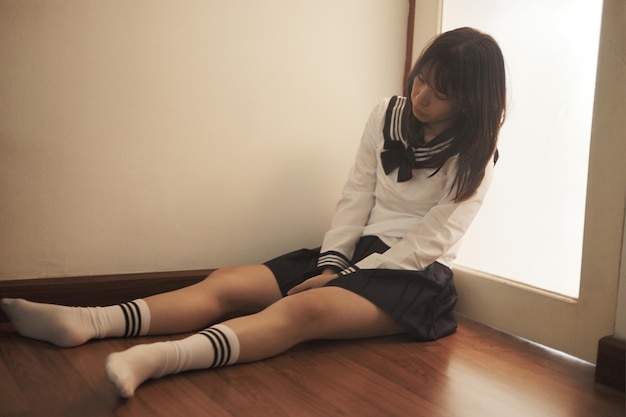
{"points": [[475, 372]]}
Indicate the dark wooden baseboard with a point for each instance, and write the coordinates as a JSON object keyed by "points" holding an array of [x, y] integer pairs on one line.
{"points": [[611, 363], [98, 290]]}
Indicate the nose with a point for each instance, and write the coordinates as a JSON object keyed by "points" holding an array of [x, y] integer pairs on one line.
{"points": [[422, 96]]}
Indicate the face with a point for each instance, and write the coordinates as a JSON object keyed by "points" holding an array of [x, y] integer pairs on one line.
{"points": [[433, 108]]}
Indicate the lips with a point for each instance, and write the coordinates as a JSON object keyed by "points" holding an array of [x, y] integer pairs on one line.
{"points": [[419, 114]]}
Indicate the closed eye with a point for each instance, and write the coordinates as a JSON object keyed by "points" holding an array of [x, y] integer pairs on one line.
{"points": [[439, 95]]}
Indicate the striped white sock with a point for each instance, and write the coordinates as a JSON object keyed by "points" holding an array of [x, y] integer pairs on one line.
{"points": [[213, 347], [73, 326]]}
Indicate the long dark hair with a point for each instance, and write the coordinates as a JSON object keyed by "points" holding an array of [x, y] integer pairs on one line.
{"points": [[466, 65]]}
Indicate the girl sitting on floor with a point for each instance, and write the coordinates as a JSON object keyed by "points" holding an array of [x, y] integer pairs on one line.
{"points": [[421, 173]]}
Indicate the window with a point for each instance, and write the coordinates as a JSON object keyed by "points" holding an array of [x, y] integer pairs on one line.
{"points": [[530, 229]]}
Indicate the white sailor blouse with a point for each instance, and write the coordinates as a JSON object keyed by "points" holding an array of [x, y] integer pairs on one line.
{"points": [[411, 209]]}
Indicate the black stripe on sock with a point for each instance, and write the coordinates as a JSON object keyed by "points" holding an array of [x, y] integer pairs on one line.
{"points": [[221, 346], [137, 319], [211, 338], [219, 357], [131, 320], [222, 338], [126, 318]]}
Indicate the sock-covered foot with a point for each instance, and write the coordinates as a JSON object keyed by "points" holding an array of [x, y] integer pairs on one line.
{"points": [[60, 325], [213, 347], [129, 369], [73, 326]]}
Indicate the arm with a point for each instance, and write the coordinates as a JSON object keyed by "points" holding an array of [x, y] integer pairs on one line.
{"points": [[353, 209], [443, 227]]}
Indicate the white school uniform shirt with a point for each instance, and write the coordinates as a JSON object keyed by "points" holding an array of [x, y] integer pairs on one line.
{"points": [[418, 219]]}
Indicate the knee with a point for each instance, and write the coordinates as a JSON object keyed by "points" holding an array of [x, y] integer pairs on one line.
{"points": [[305, 310], [218, 285], [241, 289]]}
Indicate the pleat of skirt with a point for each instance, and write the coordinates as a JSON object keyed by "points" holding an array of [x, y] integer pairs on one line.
{"points": [[421, 301]]}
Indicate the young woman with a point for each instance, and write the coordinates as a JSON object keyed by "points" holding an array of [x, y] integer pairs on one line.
{"points": [[421, 173]]}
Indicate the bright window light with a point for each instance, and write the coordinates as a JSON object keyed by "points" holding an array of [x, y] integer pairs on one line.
{"points": [[530, 229]]}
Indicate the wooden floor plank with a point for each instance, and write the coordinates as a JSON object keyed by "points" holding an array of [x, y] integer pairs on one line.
{"points": [[12, 400], [191, 399], [475, 372], [47, 380]]}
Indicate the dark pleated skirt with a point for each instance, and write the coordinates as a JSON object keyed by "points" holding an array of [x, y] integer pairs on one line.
{"points": [[422, 301]]}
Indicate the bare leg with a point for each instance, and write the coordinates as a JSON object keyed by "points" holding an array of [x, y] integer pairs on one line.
{"points": [[322, 313], [226, 292]]}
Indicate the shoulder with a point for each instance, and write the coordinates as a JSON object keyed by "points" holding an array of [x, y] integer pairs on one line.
{"points": [[389, 105], [387, 118], [392, 105], [392, 127]]}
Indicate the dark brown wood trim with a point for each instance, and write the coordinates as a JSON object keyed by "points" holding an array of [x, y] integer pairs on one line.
{"points": [[98, 290], [611, 363], [410, 30]]}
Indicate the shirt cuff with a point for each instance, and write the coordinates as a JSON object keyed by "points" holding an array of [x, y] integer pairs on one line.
{"points": [[333, 260], [348, 270]]}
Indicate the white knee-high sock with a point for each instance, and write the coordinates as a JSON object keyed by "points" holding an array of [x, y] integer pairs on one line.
{"points": [[213, 347], [73, 326]]}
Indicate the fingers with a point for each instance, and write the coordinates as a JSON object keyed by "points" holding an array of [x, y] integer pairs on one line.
{"points": [[306, 285], [314, 282], [297, 289]]}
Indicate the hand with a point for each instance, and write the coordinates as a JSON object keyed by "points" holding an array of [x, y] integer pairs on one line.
{"points": [[315, 282]]}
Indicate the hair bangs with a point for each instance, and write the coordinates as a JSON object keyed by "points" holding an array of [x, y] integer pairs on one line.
{"points": [[440, 74]]}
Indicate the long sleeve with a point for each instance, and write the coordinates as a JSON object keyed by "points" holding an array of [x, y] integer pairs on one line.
{"points": [[437, 235], [354, 207]]}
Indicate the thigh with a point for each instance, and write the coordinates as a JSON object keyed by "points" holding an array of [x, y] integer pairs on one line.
{"points": [[335, 313], [321, 313]]}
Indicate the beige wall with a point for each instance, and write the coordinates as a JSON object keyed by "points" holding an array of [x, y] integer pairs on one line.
{"points": [[169, 135]]}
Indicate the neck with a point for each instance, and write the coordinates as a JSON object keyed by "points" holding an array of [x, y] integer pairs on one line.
{"points": [[430, 133]]}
